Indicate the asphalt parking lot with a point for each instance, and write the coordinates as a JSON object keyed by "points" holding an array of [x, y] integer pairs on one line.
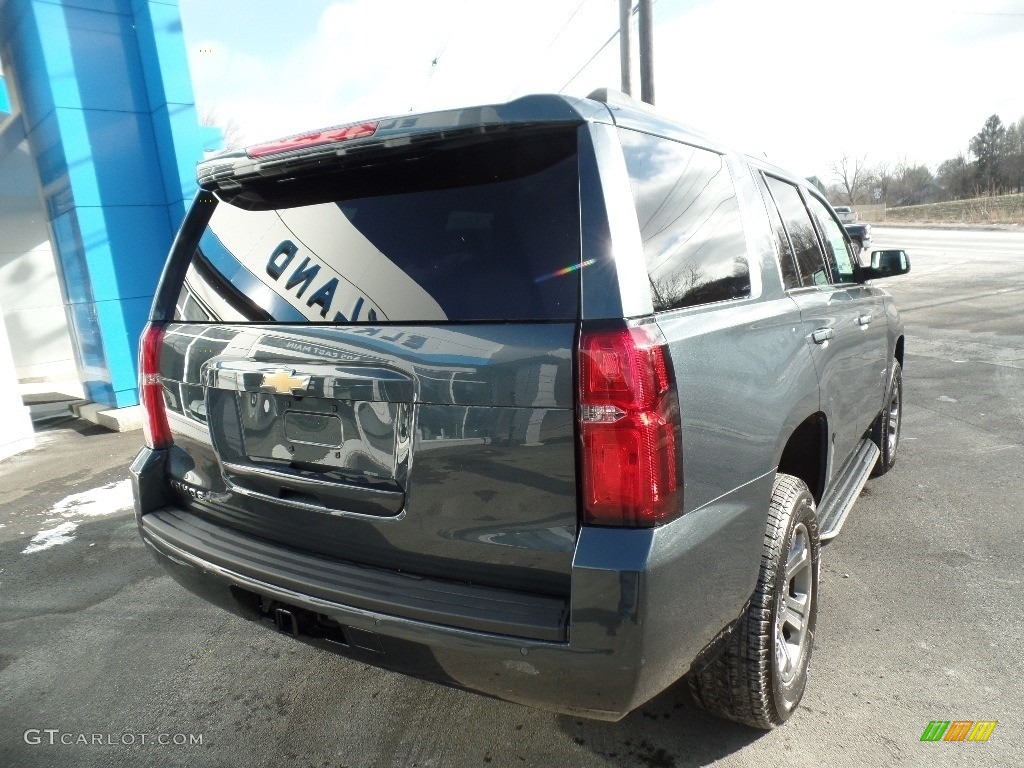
{"points": [[920, 615]]}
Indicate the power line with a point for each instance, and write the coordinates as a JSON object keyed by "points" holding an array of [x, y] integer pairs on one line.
{"points": [[553, 41], [580, 71], [567, 22], [636, 9], [440, 53]]}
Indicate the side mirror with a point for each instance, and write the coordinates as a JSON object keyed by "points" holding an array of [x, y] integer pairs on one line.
{"points": [[886, 264]]}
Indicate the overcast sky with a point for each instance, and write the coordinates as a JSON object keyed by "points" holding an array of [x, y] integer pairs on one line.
{"points": [[802, 81]]}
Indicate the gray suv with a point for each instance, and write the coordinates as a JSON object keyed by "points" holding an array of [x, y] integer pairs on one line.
{"points": [[551, 400]]}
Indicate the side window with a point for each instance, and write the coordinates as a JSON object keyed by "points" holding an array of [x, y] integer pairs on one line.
{"points": [[787, 261], [689, 219], [809, 258], [835, 241]]}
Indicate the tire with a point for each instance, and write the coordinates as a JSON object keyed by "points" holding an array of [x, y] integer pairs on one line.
{"points": [[757, 674], [886, 431]]}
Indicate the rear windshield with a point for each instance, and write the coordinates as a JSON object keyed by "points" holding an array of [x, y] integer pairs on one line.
{"points": [[488, 230]]}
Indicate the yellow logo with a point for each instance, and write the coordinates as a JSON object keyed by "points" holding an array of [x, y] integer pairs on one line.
{"points": [[285, 382]]}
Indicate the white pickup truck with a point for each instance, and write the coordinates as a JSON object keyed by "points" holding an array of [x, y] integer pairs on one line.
{"points": [[846, 214]]}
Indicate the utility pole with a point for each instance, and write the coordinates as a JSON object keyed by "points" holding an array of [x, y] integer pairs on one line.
{"points": [[626, 44], [646, 51]]}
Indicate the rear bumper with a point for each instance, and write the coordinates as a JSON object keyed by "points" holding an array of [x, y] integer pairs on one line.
{"points": [[644, 604]]}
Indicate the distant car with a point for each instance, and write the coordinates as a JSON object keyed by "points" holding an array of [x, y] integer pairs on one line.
{"points": [[845, 213], [860, 233]]}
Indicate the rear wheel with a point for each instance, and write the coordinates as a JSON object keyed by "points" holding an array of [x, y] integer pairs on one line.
{"points": [[758, 674], [886, 432]]}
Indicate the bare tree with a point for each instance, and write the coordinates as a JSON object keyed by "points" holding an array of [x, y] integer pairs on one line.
{"points": [[880, 177], [670, 291], [851, 174], [955, 177], [910, 183]]}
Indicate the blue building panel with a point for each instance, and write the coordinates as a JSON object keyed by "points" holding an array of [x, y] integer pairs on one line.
{"points": [[70, 253], [178, 168], [144, 233], [122, 325], [105, 55], [25, 57], [107, 105], [123, 165], [100, 268], [164, 60], [134, 314], [94, 373], [110, 235], [97, 157], [47, 146], [123, 7]]}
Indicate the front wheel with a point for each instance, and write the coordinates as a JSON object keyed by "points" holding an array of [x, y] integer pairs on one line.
{"points": [[886, 432], [758, 674]]}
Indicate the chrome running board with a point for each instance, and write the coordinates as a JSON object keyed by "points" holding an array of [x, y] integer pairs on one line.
{"points": [[837, 505]]}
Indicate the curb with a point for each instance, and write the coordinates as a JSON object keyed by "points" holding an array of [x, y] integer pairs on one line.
{"points": [[115, 419]]}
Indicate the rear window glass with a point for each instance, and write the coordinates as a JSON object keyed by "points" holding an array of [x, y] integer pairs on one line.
{"points": [[489, 231], [689, 219]]}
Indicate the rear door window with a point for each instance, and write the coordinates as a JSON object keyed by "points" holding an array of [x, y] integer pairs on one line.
{"points": [[487, 232], [839, 253], [689, 218], [787, 262], [809, 258]]}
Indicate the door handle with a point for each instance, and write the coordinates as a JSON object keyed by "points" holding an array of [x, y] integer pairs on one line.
{"points": [[822, 335], [864, 319]]}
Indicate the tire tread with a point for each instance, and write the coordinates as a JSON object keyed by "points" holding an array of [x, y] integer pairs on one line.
{"points": [[736, 683]]}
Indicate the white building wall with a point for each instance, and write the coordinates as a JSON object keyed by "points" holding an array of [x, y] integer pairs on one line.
{"points": [[30, 296], [17, 434]]}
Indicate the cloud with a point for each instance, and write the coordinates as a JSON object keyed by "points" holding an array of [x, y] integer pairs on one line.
{"points": [[803, 81], [986, 22], [809, 81], [348, 68]]}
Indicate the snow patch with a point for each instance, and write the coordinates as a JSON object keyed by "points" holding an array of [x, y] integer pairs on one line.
{"points": [[106, 500], [51, 538]]}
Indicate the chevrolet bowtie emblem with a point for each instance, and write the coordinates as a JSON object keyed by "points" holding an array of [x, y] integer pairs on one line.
{"points": [[285, 382]]}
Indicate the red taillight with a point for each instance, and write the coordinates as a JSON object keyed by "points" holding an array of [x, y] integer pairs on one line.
{"points": [[627, 414], [151, 392], [316, 138]]}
